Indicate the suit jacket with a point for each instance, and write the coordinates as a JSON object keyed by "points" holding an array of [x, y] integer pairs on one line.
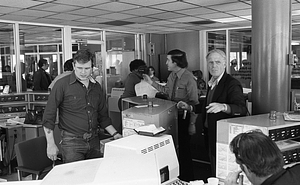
{"points": [[229, 91], [41, 80]]}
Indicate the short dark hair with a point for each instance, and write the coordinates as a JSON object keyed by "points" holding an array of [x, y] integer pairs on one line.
{"points": [[68, 65], [179, 57], [135, 64], [83, 56], [41, 63], [258, 152]]}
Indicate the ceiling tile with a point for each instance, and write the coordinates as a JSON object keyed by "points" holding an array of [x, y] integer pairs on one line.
{"points": [[230, 6], [197, 11], [141, 20], [89, 12], [186, 19], [161, 23], [166, 15], [17, 17], [240, 12], [5, 10], [19, 4], [55, 7], [146, 2], [214, 16], [143, 11], [117, 16], [83, 3], [115, 6], [64, 16], [94, 20], [174, 6], [209, 2], [35, 13]]}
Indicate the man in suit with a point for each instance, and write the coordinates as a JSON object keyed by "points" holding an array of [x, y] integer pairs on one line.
{"points": [[41, 79], [224, 99]]}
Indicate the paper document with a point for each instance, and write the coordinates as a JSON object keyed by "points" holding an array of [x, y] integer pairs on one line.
{"points": [[149, 130]]}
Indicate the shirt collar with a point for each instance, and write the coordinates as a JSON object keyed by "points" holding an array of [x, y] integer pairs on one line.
{"points": [[73, 78], [180, 72], [213, 82]]}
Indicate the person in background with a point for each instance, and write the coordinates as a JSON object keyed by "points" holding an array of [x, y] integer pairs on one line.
{"points": [[201, 84], [224, 99], [68, 68], [261, 161], [132, 79], [82, 110], [181, 86], [41, 79], [152, 74]]}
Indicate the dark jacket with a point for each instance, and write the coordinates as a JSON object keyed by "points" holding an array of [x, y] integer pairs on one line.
{"points": [[288, 176], [229, 91], [41, 80]]}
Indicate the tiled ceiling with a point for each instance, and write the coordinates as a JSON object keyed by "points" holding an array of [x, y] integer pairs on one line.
{"points": [[142, 16]]}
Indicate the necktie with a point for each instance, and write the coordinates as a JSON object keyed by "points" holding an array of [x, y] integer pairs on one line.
{"points": [[174, 88]]}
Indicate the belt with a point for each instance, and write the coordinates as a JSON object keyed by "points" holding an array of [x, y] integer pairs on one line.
{"points": [[86, 136]]}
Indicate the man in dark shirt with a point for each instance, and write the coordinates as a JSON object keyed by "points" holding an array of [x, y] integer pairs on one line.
{"points": [[261, 161], [82, 109], [41, 79]]}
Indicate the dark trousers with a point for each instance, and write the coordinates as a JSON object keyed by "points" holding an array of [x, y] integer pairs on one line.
{"points": [[186, 171], [75, 148], [212, 157]]}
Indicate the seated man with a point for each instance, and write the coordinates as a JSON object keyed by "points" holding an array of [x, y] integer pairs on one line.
{"points": [[261, 161]]}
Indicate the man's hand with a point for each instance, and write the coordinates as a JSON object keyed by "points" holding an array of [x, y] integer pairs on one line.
{"points": [[215, 107], [183, 105], [147, 79], [52, 152], [117, 136], [234, 178]]}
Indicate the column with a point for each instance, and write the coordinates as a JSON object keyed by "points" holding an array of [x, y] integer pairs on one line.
{"points": [[271, 25]]}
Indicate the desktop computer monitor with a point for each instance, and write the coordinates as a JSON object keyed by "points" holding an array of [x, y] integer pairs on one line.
{"points": [[162, 146]]}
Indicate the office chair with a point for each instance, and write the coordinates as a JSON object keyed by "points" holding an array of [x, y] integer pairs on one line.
{"points": [[32, 157]]}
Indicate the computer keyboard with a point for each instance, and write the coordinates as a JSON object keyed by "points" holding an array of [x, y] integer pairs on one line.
{"points": [[176, 182]]}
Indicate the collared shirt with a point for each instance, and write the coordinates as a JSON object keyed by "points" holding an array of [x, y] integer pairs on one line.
{"points": [[214, 82], [81, 109], [59, 77], [186, 89]]}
